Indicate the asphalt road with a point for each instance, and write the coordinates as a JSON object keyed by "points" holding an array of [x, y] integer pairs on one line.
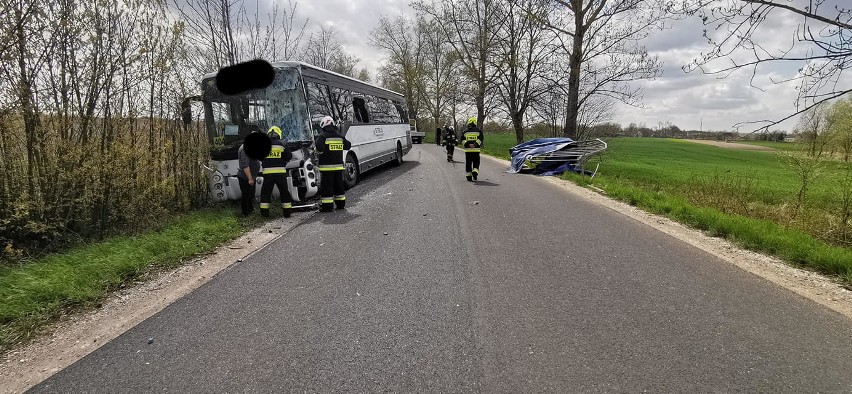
{"points": [[528, 290]]}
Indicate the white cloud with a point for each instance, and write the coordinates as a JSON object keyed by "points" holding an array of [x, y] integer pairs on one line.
{"points": [[354, 20], [717, 101]]}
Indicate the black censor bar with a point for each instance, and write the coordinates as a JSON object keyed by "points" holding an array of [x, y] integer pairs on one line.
{"points": [[242, 77]]}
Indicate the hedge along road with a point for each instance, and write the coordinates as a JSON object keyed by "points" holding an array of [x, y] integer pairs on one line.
{"points": [[430, 283]]}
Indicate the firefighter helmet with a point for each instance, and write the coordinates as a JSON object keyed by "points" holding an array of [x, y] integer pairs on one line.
{"points": [[328, 120], [472, 121], [275, 132]]}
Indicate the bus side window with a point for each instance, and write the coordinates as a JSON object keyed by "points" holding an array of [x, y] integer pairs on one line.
{"points": [[402, 115], [340, 98], [318, 102], [361, 114], [382, 110]]}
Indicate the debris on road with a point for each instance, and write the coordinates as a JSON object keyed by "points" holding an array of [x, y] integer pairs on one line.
{"points": [[150, 340], [475, 202], [386, 233]]}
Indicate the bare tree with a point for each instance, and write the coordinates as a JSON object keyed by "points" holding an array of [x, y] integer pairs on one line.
{"points": [[440, 80], [211, 26], [403, 41], [286, 38], [813, 127], [602, 39], [821, 44], [595, 110], [807, 169], [224, 32], [325, 51], [471, 28], [524, 55], [808, 164], [364, 75], [551, 108]]}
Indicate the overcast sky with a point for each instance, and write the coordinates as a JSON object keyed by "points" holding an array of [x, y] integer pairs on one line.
{"points": [[688, 100]]}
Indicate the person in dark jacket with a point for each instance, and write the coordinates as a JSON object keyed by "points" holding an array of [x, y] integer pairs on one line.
{"points": [[330, 146], [450, 142], [438, 136], [472, 145], [247, 175], [275, 173]]}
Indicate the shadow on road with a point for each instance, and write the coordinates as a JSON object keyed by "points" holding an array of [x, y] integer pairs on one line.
{"points": [[384, 173], [485, 183], [370, 180], [336, 217]]}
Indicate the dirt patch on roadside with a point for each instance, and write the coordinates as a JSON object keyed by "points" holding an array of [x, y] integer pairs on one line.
{"points": [[80, 334], [732, 145], [811, 285]]}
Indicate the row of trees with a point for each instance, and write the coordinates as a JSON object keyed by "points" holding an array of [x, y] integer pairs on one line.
{"points": [[90, 138], [567, 62], [563, 62]]}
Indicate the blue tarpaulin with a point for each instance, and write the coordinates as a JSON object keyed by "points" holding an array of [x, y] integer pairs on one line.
{"points": [[522, 153]]}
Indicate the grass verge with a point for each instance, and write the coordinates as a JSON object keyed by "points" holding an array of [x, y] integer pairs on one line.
{"points": [[765, 236], [35, 295]]}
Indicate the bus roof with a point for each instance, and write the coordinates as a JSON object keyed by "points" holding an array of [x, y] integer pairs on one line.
{"points": [[303, 65]]}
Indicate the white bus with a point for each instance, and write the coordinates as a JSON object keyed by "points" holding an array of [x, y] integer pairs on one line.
{"points": [[373, 119]]}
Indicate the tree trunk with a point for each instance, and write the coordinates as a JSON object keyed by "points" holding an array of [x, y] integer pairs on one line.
{"points": [[480, 104], [25, 94], [574, 62], [5, 171], [518, 124]]}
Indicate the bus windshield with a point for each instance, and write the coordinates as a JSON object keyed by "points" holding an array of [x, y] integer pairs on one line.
{"points": [[230, 118]]}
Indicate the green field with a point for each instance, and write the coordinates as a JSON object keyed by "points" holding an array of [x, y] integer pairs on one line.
{"points": [[746, 196]]}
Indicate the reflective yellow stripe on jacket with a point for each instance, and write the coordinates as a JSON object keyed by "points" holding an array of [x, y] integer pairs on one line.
{"points": [[471, 137], [334, 144], [330, 167]]}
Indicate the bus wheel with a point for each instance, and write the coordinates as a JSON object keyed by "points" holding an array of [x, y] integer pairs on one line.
{"points": [[351, 171], [398, 161]]}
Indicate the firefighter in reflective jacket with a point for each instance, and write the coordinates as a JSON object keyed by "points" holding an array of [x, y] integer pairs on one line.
{"points": [[471, 145], [330, 145], [450, 142], [275, 173]]}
